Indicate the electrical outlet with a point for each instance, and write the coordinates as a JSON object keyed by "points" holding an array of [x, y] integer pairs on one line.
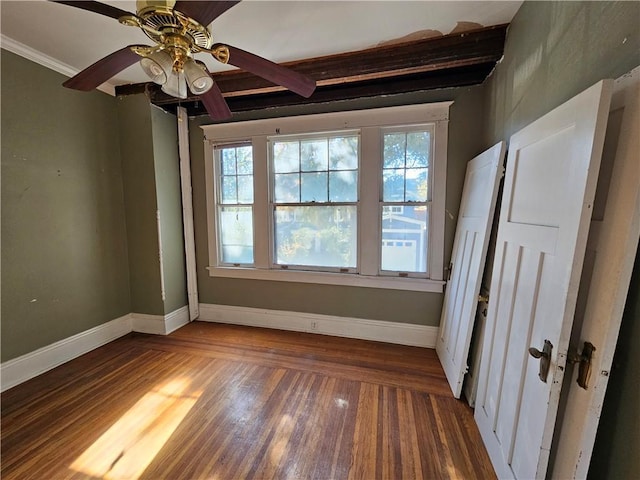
{"points": [[314, 325]]}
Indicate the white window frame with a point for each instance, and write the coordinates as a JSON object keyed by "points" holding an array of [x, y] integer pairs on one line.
{"points": [[371, 125]]}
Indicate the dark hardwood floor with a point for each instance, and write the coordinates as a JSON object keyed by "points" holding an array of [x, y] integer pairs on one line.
{"points": [[222, 402]]}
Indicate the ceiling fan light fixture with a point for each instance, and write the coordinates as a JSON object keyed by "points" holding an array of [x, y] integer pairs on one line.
{"points": [[197, 77], [179, 29], [176, 86], [158, 66]]}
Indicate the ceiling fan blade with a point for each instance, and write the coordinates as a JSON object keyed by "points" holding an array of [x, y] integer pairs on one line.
{"points": [[294, 81], [96, 7], [215, 104], [204, 12], [101, 71]]}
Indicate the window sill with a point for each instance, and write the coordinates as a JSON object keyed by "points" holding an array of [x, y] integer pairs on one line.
{"points": [[325, 278]]}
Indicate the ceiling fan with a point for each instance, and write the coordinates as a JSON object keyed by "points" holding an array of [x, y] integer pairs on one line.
{"points": [[179, 29]]}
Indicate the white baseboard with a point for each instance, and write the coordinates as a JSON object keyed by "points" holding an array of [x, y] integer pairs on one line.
{"points": [[145, 323], [21, 369], [377, 330], [160, 324], [176, 319]]}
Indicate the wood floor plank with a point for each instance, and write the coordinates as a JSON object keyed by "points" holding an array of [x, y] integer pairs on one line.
{"points": [[366, 434], [226, 402]]}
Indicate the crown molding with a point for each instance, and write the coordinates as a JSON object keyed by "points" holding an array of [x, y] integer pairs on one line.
{"points": [[46, 61]]}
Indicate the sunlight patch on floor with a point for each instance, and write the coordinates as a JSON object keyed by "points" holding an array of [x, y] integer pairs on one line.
{"points": [[130, 445], [281, 440]]}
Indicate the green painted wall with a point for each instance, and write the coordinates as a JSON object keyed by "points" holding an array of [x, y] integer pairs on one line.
{"points": [[64, 243], [554, 51], [151, 170], [83, 175], [369, 303], [140, 197], [167, 175]]}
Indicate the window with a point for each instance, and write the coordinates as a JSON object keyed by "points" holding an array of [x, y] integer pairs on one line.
{"points": [[314, 201], [349, 198], [405, 198], [234, 168]]}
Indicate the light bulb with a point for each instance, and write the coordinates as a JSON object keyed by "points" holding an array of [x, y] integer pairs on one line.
{"points": [[175, 85], [155, 69], [197, 77], [157, 66], [200, 84]]}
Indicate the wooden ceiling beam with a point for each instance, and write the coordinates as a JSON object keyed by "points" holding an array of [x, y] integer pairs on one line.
{"points": [[416, 65], [409, 83]]}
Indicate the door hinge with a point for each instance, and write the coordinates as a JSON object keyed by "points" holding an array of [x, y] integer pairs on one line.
{"points": [[483, 298]]}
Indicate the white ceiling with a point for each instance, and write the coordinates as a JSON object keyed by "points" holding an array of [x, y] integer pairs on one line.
{"points": [[70, 39]]}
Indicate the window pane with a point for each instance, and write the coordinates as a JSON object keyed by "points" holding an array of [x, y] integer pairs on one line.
{"points": [[417, 185], [245, 188], [394, 150], [343, 153], [228, 193], [286, 157], [287, 188], [393, 185], [404, 238], [418, 147], [314, 187], [313, 155], [245, 160], [228, 161], [405, 174], [236, 234], [320, 236], [343, 186]]}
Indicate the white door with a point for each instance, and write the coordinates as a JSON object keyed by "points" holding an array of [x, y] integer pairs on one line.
{"points": [[611, 250], [552, 170], [468, 257]]}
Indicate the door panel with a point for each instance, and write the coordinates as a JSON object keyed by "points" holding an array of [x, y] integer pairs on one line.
{"points": [[549, 188], [468, 258], [536, 166], [613, 242]]}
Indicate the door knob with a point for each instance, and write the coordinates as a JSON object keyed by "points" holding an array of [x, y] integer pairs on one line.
{"points": [[545, 359]]}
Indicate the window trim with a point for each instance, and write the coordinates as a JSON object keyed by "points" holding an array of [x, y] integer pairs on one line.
{"points": [[370, 123]]}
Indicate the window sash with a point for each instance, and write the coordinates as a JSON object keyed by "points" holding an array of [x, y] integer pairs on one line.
{"points": [[404, 202], [315, 238], [220, 204], [421, 240], [325, 169], [240, 245]]}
